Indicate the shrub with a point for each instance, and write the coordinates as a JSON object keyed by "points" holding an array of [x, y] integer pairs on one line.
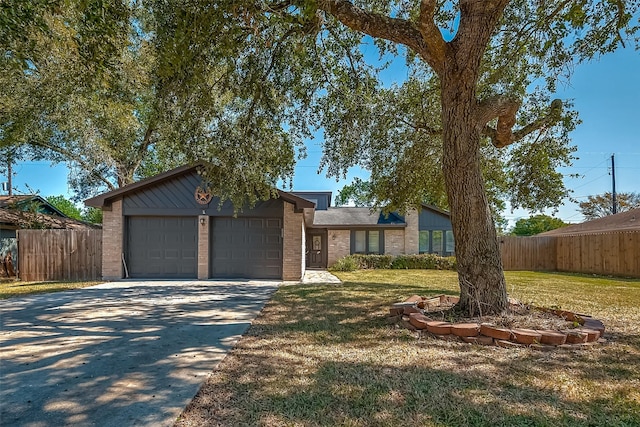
{"points": [[400, 262], [347, 263], [372, 262]]}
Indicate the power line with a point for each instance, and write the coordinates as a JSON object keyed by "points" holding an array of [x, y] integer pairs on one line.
{"points": [[596, 166], [592, 181]]}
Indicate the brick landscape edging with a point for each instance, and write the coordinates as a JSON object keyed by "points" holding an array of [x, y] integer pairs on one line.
{"points": [[410, 313]]}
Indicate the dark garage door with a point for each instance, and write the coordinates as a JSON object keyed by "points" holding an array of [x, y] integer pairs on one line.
{"points": [[246, 248], [162, 247]]}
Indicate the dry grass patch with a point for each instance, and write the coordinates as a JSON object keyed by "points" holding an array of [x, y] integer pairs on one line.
{"points": [[16, 288], [326, 356]]}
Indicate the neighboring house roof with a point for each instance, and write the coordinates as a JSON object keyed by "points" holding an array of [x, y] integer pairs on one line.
{"points": [[363, 217], [18, 219], [105, 199], [350, 217], [624, 221], [436, 209], [27, 202]]}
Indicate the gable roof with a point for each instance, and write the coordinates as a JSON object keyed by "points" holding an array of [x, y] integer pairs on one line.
{"points": [[13, 219], [352, 217], [105, 199], [436, 210], [24, 202], [364, 217], [623, 221]]}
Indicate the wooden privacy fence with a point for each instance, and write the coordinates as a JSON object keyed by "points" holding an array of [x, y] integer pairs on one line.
{"points": [[46, 255], [528, 253], [615, 253]]}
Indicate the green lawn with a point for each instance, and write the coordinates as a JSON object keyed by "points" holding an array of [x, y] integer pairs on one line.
{"points": [[326, 356], [15, 288]]}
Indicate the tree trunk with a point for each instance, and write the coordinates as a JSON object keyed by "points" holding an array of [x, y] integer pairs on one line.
{"points": [[482, 285], [124, 175]]}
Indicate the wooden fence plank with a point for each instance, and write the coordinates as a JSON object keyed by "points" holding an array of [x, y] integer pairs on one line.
{"points": [[528, 253], [60, 255], [615, 253]]}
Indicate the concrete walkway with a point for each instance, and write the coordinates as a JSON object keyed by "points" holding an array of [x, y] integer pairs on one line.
{"points": [[118, 354], [319, 276]]}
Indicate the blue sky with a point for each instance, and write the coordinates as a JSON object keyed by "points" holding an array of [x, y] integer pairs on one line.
{"points": [[606, 93]]}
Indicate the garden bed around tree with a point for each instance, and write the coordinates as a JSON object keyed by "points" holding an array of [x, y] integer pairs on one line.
{"points": [[520, 326]]}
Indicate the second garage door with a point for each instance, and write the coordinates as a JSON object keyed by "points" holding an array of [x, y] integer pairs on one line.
{"points": [[162, 247], [246, 248]]}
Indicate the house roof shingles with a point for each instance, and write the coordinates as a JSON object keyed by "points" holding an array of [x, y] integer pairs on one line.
{"points": [[623, 221], [24, 219], [27, 201], [356, 217]]}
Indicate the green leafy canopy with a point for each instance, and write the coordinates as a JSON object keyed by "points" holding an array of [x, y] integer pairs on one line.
{"points": [[121, 90], [536, 224], [601, 205]]}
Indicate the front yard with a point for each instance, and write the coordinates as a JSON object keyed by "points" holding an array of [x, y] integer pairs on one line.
{"points": [[326, 356], [16, 288]]}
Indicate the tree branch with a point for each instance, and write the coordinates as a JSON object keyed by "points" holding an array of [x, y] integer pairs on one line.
{"points": [[147, 141], [76, 158], [429, 30], [420, 126], [505, 110], [392, 29]]}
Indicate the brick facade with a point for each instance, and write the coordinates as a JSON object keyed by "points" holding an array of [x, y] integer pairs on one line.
{"points": [[203, 246], [394, 242], [112, 246], [412, 233], [292, 244], [339, 245]]}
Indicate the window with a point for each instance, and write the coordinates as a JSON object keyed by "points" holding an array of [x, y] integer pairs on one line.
{"points": [[374, 242], [436, 237], [360, 242], [424, 241], [317, 243], [436, 242], [451, 246], [367, 242]]}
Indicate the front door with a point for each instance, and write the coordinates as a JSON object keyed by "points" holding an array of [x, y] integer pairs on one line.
{"points": [[316, 247]]}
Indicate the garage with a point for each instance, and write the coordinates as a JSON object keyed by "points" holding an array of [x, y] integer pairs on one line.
{"points": [[171, 226], [248, 248], [162, 247]]}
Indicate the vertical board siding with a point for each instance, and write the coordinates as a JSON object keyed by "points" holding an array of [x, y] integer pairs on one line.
{"points": [[60, 255], [615, 253], [528, 253]]}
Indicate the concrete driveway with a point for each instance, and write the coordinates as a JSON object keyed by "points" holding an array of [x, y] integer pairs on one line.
{"points": [[118, 354]]}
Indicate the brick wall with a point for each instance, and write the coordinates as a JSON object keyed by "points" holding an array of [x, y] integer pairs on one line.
{"points": [[112, 237], [203, 247], [303, 257], [292, 244], [339, 245], [411, 232], [394, 242]]}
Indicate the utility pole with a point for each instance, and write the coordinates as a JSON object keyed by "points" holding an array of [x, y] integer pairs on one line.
{"points": [[614, 202], [9, 174]]}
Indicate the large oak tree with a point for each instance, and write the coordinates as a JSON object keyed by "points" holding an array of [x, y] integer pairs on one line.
{"points": [[482, 75], [122, 90], [239, 84]]}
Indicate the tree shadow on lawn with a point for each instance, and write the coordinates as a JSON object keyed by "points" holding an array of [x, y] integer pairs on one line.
{"points": [[334, 313], [353, 295], [326, 356], [366, 394], [594, 277]]}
